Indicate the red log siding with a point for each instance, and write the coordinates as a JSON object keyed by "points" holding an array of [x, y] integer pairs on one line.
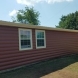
{"points": [[57, 43]]}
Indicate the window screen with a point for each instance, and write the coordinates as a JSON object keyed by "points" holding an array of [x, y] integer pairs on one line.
{"points": [[40, 39], [25, 39]]}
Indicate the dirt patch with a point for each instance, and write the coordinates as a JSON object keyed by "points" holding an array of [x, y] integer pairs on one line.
{"points": [[70, 71]]}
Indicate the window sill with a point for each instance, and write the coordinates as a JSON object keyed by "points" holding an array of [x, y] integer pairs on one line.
{"points": [[25, 49], [41, 47]]}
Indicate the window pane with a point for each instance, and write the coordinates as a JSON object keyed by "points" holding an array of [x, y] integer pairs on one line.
{"points": [[28, 32], [40, 34], [25, 35], [21, 34], [25, 44], [40, 42]]}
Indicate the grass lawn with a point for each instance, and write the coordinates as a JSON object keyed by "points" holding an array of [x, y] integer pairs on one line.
{"points": [[63, 67]]}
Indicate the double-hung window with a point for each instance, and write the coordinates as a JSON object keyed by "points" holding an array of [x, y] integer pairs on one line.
{"points": [[40, 39], [25, 39]]}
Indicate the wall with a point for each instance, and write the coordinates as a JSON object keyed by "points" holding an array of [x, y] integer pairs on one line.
{"points": [[58, 43]]}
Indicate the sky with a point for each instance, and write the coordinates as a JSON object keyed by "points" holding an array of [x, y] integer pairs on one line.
{"points": [[50, 10]]}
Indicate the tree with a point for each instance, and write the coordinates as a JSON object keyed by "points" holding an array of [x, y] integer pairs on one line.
{"points": [[69, 22], [27, 16]]}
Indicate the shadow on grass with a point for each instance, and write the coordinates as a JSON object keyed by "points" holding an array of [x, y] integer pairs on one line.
{"points": [[42, 68]]}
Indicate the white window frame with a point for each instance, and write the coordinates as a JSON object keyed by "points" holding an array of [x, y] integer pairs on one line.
{"points": [[20, 39], [38, 47]]}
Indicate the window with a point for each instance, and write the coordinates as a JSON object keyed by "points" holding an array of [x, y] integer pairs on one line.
{"points": [[40, 39], [25, 39]]}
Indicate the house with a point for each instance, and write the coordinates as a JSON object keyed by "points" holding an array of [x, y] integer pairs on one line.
{"points": [[22, 44]]}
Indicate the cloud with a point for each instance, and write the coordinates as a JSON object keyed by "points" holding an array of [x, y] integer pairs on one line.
{"points": [[54, 1], [33, 2], [12, 13]]}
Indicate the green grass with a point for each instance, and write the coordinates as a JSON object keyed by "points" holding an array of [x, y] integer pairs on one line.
{"points": [[43, 68]]}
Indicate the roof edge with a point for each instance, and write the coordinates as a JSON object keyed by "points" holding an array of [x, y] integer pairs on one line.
{"points": [[11, 24]]}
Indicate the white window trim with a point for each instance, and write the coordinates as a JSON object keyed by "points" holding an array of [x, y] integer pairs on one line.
{"points": [[44, 39], [20, 39]]}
